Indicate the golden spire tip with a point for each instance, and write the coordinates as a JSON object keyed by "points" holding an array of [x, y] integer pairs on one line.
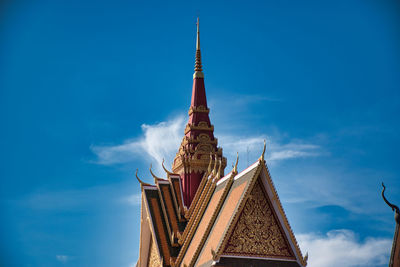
{"points": [[198, 71]]}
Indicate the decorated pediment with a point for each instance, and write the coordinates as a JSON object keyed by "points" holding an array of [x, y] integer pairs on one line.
{"points": [[257, 231]]}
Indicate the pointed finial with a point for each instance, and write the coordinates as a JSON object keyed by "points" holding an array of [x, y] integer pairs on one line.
{"points": [[236, 164], [165, 169], [219, 169], [263, 153], [394, 207], [214, 171], [305, 259], [198, 34], [140, 181], [198, 71], [154, 176], [210, 164]]}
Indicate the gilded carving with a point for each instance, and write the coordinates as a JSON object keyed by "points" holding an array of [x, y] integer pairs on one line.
{"points": [[205, 148], [200, 108], [204, 138], [154, 259], [257, 232], [202, 124]]}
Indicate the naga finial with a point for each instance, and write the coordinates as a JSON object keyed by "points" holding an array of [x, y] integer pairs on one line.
{"points": [[210, 164], [214, 171], [219, 169], [263, 153], [165, 169], [236, 164], [154, 176], [394, 207], [305, 259], [140, 181]]}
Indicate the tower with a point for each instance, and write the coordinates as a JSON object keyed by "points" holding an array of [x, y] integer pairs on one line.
{"points": [[198, 143], [198, 216]]}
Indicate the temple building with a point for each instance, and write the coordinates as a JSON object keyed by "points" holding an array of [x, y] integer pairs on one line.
{"points": [[199, 216]]}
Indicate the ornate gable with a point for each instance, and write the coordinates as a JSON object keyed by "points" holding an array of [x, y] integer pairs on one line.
{"points": [[257, 232], [154, 258]]}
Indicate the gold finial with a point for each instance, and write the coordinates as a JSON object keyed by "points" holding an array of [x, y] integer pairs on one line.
{"points": [[198, 34], [198, 71], [236, 164], [140, 181], [165, 169], [263, 153], [154, 176], [219, 168], [214, 172], [305, 259], [209, 165]]}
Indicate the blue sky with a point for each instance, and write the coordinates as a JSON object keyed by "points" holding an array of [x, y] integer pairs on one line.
{"points": [[92, 90]]}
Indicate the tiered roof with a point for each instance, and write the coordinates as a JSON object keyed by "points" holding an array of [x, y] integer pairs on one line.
{"points": [[197, 216], [237, 218]]}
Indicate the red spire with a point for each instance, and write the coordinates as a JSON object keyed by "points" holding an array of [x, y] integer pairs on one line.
{"points": [[193, 157]]}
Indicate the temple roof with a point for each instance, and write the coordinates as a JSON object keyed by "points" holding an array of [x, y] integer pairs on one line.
{"points": [[197, 216], [238, 206]]}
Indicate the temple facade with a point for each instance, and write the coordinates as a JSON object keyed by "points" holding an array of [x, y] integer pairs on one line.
{"points": [[199, 216]]}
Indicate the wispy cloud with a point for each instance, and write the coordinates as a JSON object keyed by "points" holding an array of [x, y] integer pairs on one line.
{"points": [[342, 248], [158, 141], [63, 258], [162, 140], [133, 200]]}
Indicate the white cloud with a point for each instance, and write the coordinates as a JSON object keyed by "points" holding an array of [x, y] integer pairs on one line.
{"points": [[158, 141], [342, 248], [63, 258], [133, 200], [162, 140]]}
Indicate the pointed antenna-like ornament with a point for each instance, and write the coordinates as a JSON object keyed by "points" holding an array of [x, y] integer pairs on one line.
{"points": [[214, 171], [154, 176], [210, 164], [305, 259], [198, 71], [219, 169], [235, 171], [263, 153], [165, 169], [140, 181], [394, 207]]}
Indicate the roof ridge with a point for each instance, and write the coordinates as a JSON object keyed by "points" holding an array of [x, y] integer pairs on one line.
{"points": [[286, 221]]}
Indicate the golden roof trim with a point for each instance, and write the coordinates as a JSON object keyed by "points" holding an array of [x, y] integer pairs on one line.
{"points": [[196, 220], [214, 215], [299, 256], [238, 210], [201, 187], [200, 109]]}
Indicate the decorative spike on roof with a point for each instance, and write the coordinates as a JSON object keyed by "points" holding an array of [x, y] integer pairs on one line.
{"points": [[198, 72]]}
